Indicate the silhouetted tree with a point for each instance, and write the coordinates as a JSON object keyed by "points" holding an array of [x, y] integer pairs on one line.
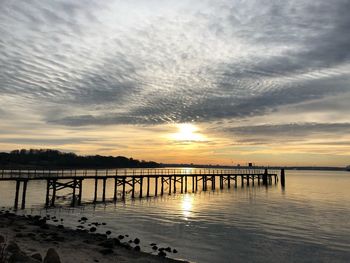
{"points": [[48, 158]]}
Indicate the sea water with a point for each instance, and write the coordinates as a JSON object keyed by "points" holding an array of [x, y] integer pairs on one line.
{"points": [[307, 221]]}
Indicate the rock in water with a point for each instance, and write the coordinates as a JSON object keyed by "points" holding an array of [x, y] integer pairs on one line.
{"points": [[52, 256]]}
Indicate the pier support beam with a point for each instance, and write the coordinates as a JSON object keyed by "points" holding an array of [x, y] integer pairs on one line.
{"points": [[80, 191], [96, 185], [133, 188], [104, 190], [74, 190], [156, 188], [141, 184], [24, 194], [147, 186], [169, 185], [162, 186], [115, 189], [192, 183], [18, 184], [47, 202], [182, 184], [53, 192], [123, 194]]}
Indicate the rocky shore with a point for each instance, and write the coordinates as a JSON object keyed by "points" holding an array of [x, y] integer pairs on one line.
{"points": [[32, 239]]}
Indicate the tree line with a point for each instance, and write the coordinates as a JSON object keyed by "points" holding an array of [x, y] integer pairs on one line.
{"points": [[53, 159]]}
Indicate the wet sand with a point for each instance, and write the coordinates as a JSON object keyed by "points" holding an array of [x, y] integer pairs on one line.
{"points": [[33, 235]]}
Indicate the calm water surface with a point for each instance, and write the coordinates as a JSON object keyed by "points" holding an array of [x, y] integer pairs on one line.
{"points": [[308, 221]]}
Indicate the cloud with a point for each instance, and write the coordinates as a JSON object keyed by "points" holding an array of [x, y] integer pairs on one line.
{"points": [[292, 133], [265, 63]]}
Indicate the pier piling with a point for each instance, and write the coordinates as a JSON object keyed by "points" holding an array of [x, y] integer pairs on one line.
{"points": [[53, 199], [115, 188], [283, 178], [265, 177], [24, 194], [104, 190], [18, 184]]}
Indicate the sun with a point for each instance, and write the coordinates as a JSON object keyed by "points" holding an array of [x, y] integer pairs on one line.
{"points": [[187, 132]]}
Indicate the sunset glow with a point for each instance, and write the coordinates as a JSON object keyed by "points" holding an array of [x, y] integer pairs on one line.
{"points": [[178, 81], [187, 133]]}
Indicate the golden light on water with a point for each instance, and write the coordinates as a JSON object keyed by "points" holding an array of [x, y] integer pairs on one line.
{"points": [[186, 206], [187, 132]]}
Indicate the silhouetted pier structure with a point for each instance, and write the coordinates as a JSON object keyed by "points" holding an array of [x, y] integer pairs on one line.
{"points": [[165, 181]]}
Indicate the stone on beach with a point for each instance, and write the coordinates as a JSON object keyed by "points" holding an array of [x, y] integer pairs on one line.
{"points": [[106, 251], [137, 248], [37, 256], [162, 254], [52, 256], [154, 247], [12, 247], [20, 257], [109, 243]]}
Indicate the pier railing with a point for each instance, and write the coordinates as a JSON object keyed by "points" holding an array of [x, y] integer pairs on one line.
{"points": [[6, 174]]}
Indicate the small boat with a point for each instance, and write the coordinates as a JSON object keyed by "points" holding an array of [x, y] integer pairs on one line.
{"points": [[348, 168]]}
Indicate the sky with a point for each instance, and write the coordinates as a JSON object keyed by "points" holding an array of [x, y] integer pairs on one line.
{"points": [[178, 81]]}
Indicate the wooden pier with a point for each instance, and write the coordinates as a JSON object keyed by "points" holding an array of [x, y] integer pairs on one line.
{"points": [[133, 181]]}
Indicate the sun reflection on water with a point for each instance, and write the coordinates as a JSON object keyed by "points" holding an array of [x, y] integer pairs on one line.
{"points": [[186, 206]]}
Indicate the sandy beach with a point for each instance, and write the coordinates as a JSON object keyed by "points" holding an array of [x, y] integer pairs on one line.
{"points": [[25, 236]]}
